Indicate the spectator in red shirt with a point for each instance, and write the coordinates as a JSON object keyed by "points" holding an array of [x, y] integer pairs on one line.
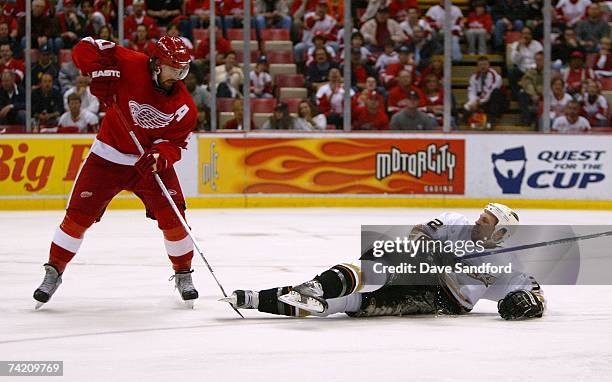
{"points": [[436, 68], [43, 28], [576, 74], [602, 64], [199, 13], [370, 86], [142, 43], [233, 14], [8, 62], [434, 98], [479, 25], [399, 8], [389, 76], [139, 17], [6, 38], [222, 47], [7, 15], [71, 24], [380, 29], [399, 95], [360, 70], [320, 41], [318, 21], [236, 122], [594, 105], [371, 116]]}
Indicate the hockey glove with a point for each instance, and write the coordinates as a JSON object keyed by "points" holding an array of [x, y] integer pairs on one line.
{"points": [[151, 162], [105, 80], [520, 304]]}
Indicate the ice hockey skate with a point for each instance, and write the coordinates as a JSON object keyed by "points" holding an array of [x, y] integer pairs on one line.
{"points": [[307, 296], [242, 299], [52, 280], [184, 284]]}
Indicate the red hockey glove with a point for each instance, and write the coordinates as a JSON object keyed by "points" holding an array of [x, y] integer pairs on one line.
{"points": [[151, 162], [104, 81]]}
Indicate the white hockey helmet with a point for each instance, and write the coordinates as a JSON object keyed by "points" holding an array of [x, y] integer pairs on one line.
{"points": [[506, 218]]}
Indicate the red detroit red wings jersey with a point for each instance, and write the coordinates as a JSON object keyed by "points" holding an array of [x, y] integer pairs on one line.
{"points": [[165, 120]]}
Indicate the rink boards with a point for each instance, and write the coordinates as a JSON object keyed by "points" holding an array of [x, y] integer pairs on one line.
{"points": [[335, 169]]}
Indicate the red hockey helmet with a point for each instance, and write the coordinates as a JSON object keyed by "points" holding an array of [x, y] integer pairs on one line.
{"points": [[172, 52]]}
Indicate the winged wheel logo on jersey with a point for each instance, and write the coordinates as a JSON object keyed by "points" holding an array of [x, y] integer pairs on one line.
{"points": [[148, 117]]}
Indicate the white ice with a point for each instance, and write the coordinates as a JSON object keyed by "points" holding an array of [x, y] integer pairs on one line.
{"points": [[116, 317]]}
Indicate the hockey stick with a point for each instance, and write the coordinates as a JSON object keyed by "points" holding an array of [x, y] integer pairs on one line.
{"points": [[537, 245], [171, 202]]}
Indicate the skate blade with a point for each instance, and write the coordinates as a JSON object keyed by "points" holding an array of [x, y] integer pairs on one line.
{"points": [[230, 300], [38, 305], [302, 302], [189, 304]]}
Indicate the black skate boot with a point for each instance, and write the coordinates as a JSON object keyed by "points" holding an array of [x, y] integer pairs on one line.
{"points": [[307, 296], [51, 282], [243, 299], [184, 284]]}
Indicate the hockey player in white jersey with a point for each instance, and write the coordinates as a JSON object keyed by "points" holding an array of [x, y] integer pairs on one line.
{"points": [[343, 289]]}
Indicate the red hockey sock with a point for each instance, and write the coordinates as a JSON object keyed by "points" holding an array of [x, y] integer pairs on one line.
{"points": [[59, 257], [181, 263], [66, 242], [179, 248]]}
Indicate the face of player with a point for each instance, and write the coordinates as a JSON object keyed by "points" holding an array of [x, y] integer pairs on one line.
{"points": [[484, 226], [168, 75], [4, 30]]}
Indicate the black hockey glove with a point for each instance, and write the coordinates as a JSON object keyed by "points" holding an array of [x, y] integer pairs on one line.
{"points": [[520, 304]]}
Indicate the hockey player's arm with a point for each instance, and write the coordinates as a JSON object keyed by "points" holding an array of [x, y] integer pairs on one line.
{"points": [[98, 60], [523, 303], [166, 151]]}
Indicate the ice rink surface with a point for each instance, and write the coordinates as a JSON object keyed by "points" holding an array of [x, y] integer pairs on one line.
{"points": [[116, 317]]}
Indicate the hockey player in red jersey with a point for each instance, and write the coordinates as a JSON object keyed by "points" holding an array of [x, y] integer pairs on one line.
{"points": [[150, 94]]}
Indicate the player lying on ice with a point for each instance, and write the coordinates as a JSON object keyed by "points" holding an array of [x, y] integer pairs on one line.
{"points": [[341, 289], [150, 93]]}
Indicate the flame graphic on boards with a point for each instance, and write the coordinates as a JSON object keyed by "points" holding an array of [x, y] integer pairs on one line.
{"points": [[311, 166]]}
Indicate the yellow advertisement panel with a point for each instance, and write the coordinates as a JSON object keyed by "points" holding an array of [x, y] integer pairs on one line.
{"points": [[40, 167]]}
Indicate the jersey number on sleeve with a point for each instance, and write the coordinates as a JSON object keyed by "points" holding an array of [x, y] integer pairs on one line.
{"points": [[435, 224]]}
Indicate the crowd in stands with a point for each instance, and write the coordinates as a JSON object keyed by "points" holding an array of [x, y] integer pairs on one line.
{"points": [[296, 79]]}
